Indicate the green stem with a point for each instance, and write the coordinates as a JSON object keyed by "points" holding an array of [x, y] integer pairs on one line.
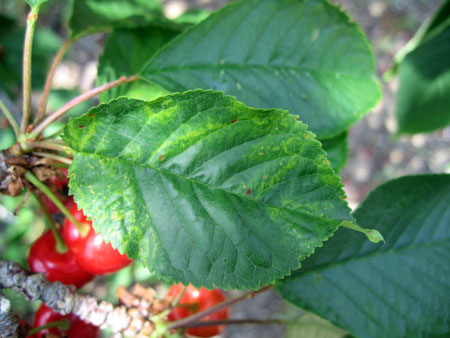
{"points": [[61, 159], [50, 145], [372, 235], [76, 101], [42, 187], [48, 82], [63, 324], [177, 300], [12, 121], [213, 309], [61, 246], [26, 77]]}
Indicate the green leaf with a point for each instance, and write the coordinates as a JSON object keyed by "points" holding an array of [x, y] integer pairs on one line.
{"points": [[204, 190], [90, 16], [399, 289], [337, 151], [424, 87], [126, 52], [303, 56], [311, 326]]}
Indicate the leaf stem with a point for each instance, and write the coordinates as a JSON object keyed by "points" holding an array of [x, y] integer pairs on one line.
{"points": [[26, 76], [76, 101], [61, 246], [58, 158], [42, 187], [194, 318], [372, 235], [48, 82], [63, 324], [12, 121], [233, 322], [50, 145]]}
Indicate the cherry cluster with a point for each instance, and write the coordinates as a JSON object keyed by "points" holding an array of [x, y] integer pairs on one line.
{"points": [[86, 254]]}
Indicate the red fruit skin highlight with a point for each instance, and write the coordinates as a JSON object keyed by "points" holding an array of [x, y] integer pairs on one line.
{"points": [[196, 300], [89, 248], [62, 267]]}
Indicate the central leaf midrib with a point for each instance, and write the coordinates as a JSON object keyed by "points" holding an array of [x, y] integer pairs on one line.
{"points": [[371, 255], [243, 66], [131, 163]]}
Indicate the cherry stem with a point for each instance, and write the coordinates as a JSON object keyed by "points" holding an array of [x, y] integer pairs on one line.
{"points": [[177, 300], [233, 322], [63, 324], [196, 317], [22, 202], [58, 158], [61, 246], [12, 121], [50, 145], [76, 101], [26, 76], [42, 187], [48, 82]]}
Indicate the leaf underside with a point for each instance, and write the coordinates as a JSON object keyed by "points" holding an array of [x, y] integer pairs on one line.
{"points": [[303, 56], [399, 289], [204, 190]]}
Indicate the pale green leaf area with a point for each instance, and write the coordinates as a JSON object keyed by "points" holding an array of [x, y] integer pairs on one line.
{"points": [[311, 326], [90, 16], [303, 56], [423, 102], [35, 4], [399, 289], [337, 151], [126, 52], [202, 189]]}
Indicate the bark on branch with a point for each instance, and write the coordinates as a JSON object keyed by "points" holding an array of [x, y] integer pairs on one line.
{"points": [[131, 321]]}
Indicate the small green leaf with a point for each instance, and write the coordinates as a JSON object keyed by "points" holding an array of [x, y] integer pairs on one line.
{"points": [[303, 56], [337, 151], [90, 16], [126, 52], [397, 289], [204, 190]]}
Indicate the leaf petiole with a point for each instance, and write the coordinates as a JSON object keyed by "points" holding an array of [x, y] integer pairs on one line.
{"points": [[372, 235], [12, 121]]}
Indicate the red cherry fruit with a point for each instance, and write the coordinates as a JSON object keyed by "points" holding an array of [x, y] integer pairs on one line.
{"points": [[195, 300], [63, 267], [78, 328], [89, 248]]}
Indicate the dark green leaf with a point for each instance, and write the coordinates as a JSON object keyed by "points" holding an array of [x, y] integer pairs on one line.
{"points": [[399, 289], [440, 21], [337, 151], [424, 89], [90, 16], [303, 56], [203, 190], [126, 52]]}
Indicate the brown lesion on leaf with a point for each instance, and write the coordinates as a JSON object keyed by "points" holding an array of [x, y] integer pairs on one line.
{"points": [[162, 158]]}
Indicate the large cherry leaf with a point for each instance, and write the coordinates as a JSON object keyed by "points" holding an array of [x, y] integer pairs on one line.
{"points": [[204, 190], [399, 289], [90, 16], [303, 56], [125, 53]]}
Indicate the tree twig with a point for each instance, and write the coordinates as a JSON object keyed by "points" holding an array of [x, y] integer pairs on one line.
{"points": [[9, 325], [76, 101]]}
